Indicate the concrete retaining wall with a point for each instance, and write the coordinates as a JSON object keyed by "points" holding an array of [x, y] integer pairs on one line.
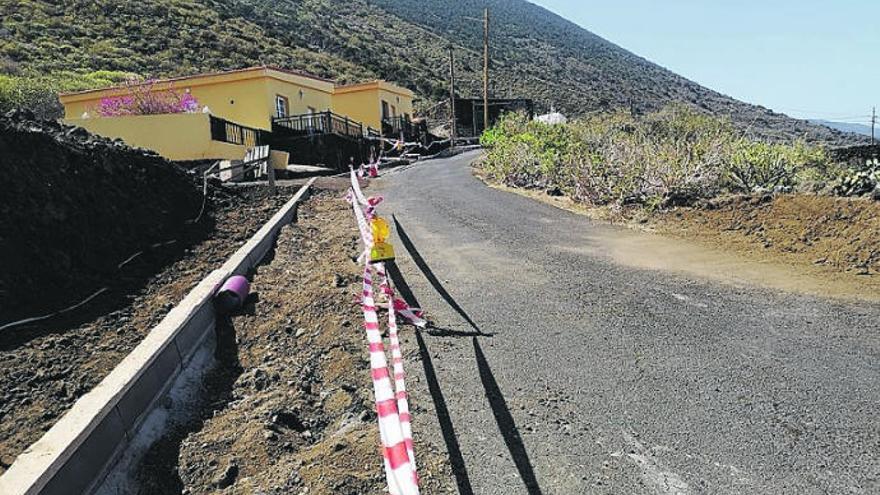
{"points": [[76, 453]]}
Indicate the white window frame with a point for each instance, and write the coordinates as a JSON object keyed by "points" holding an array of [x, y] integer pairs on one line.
{"points": [[282, 106]]}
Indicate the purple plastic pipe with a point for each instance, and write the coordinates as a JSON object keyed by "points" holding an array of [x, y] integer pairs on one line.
{"points": [[233, 293]]}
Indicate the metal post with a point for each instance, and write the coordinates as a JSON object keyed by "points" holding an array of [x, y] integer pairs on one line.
{"points": [[270, 172], [873, 124], [485, 70], [452, 123]]}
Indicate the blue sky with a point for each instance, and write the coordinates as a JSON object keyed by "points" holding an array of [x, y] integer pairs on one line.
{"points": [[806, 58]]}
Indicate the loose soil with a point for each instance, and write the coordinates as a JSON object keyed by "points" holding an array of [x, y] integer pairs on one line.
{"points": [[289, 408], [45, 367], [841, 235], [73, 206], [796, 242]]}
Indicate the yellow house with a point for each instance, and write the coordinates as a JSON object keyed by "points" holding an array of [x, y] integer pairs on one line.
{"points": [[359, 102], [239, 108]]}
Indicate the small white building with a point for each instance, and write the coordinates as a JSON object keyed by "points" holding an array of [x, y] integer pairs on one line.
{"points": [[552, 118]]}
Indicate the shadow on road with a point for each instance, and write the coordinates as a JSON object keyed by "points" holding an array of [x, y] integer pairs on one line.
{"points": [[459, 469], [505, 423], [429, 274], [435, 331]]}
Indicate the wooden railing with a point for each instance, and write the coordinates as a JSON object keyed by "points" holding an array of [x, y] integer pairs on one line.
{"points": [[230, 132], [320, 123], [393, 126], [411, 130]]}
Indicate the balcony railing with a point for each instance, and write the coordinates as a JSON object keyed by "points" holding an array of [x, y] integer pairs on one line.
{"points": [[411, 130], [393, 126], [319, 123], [230, 132]]}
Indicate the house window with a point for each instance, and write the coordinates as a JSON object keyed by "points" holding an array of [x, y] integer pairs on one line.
{"points": [[282, 107], [393, 111], [385, 111]]}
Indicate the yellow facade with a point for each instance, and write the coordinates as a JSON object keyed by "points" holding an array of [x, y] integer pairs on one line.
{"points": [[249, 96], [365, 102], [176, 136]]}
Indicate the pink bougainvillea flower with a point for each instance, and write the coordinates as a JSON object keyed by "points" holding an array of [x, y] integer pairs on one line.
{"points": [[144, 99]]}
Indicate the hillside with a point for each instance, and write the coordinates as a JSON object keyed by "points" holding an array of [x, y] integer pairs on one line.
{"points": [[845, 126], [536, 54]]}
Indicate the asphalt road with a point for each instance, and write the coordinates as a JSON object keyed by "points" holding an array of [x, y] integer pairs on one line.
{"points": [[554, 369]]}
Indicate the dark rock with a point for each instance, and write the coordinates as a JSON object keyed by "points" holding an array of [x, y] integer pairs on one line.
{"points": [[227, 477], [289, 420]]}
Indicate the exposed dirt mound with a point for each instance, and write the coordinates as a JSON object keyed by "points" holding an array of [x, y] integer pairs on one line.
{"points": [[45, 367], [841, 234], [73, 206], [289, 409]]}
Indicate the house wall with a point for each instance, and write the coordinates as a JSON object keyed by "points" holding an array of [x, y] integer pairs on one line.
{"points": [[317, 96], [362, 106], [248, 97], [240, 101], [365, 105], [180, 136], [235, 101], [402, 103], [245, 98]]}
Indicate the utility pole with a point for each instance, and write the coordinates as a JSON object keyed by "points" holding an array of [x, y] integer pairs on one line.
{"points": [[873, 124], [485, 69], [452, 120]]}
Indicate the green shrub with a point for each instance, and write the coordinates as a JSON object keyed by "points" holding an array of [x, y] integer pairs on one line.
{"points": [[860, 181], [673, 157], [760, 166], [39, 93]]}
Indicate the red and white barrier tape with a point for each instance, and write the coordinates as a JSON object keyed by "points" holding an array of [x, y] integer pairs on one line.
{"points": [[399, 466], [397, 365], [355, 196], [392, 404], [356, 188]]}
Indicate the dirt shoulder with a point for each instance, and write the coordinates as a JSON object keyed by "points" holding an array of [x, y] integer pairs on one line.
{"points": [[289, 409], [833, 243], [838, 235]]}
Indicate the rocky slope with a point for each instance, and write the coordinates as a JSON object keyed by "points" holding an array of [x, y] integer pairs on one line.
{"points": [[47, 366], [73, 207]]}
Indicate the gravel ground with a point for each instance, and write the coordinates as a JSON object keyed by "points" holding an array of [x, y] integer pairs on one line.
{"points": [[46, 367], [557, 369], [289, 409]]}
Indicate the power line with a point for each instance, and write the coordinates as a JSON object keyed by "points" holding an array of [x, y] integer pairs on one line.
{"points": [[817, 113]]}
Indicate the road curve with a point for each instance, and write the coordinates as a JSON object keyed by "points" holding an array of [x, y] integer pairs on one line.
{"points": [[555, 370]]}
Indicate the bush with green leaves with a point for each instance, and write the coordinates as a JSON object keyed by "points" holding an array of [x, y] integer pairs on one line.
{"points": [[860, 181], [673, 157], [761, 166], [39, 93]]}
